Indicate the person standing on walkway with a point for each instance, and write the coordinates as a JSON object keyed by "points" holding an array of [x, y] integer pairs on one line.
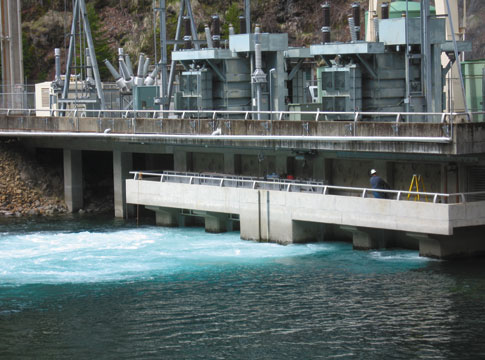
{"points": [[376, 182]]}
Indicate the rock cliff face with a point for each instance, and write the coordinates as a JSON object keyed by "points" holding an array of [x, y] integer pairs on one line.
{"points": [[131, 24], [26, 187]]}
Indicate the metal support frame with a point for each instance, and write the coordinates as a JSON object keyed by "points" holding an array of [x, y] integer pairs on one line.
{"points": [[426, 68], [163, 55], [369, 69], [217, 71], [80, 10], [11, 49], [455, 48], [247, 13], [295, 69], [184, 5]]}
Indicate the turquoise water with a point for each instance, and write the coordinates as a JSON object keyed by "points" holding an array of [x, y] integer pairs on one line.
{"points": [[100, 288]]}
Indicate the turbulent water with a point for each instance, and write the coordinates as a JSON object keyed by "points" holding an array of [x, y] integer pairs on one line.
{"points": [[103, 289]]}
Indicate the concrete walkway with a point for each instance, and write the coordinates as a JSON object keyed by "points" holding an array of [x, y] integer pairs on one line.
{"points": [[290, 217]]}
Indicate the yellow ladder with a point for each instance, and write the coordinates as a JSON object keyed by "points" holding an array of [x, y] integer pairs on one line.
{"points": [[416, 181]]}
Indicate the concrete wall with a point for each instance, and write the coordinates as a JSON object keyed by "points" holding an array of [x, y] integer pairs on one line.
{"points": [[208, 162], [289, 217], [282, 207]]}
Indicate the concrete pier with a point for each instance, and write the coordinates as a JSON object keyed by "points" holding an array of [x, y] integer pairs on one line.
{"points": [[73, 179], [122, 165], [443, 230]]}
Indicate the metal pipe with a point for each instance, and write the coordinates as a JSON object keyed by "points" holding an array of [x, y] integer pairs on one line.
{"points": [[150, 79], [165, 100], [124, 70], [407, 100], [216, 25], [57, 54], [353, 34], [426, 53], [247, 14], [188, 33], [385, 10], [457, 58], [89, 69], [242, 25], [326, 23], [141, 65], [259, 57], [146, 65], [421, 139], [129, 66], [356, 16], [208, 36], [271, 107], [70, 53], [483, 89], [112, 70], [175, 48]]}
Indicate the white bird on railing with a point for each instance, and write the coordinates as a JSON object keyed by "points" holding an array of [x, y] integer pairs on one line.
{"points": [[217, 132], [106, 131]]}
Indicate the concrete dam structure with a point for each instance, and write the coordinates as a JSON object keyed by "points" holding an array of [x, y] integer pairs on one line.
{"points": [[250, 133]]}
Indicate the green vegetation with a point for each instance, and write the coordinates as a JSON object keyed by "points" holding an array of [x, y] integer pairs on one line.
{"points": [[101, 47], [231, 16]]}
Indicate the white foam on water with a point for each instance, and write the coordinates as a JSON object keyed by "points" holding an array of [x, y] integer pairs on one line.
{"points": [[70, 257], [398, 255]]}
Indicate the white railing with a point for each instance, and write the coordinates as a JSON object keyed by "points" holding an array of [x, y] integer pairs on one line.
{"points": [[315, 187], [444, 117]]}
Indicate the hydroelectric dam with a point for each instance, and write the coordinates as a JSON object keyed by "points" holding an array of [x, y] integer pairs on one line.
{"points": [[243, 131], [227, 179]]}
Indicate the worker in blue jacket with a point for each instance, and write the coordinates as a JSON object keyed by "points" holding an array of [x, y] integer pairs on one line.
{"points": [[377, 182]]}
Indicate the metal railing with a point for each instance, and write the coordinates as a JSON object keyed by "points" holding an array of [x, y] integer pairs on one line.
{"points": [[301, 186], [443, 117]]}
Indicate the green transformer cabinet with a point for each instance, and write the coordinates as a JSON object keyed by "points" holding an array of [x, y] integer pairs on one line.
{"points": [[340, 89], [144, 97], [195, 91]]}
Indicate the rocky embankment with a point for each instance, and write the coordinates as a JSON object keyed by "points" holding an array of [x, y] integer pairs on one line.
{"points": [[26, 187]]}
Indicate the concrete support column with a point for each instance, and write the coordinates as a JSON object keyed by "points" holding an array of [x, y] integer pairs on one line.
{"points": [[318, 168], [216, 222], [229, 163], [327, 171], [122, 165], [465, 242], [73, 179], [167, 217], [181, 161], [368, 239], [281, 164]]}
